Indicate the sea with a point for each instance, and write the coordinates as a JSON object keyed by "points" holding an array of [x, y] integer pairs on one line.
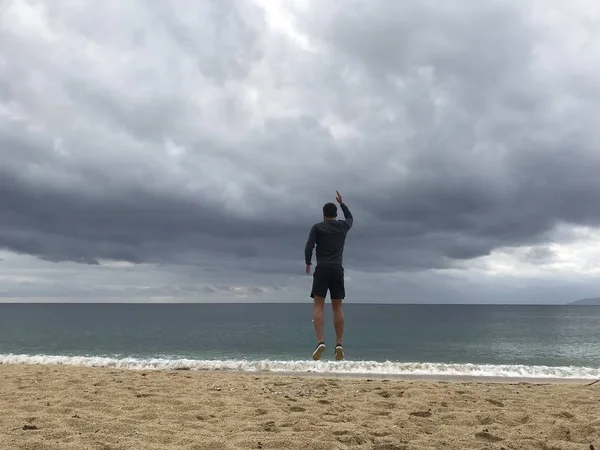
{"points": [[379, 339]]}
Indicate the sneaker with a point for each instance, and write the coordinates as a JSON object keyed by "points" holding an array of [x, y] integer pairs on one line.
{"points": [[339, 352], [319, 351]]}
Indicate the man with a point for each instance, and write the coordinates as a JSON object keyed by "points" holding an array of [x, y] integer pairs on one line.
{"points": [[329, 236]]}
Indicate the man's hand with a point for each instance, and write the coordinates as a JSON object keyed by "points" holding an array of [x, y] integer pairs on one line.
{"points": [[308, 269], [338, 197]]}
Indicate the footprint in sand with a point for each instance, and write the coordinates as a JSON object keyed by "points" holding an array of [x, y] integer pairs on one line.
{"points": [[495, 402], [385, 405], [352, 439], [270, 426], [380, 434], [340, 432], [486, 436], [420, 413]]}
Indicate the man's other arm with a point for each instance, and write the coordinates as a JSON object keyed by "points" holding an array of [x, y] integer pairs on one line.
{"points": [[310, 244], [349, 220]]}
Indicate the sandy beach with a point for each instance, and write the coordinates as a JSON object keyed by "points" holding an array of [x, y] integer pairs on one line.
{"points": [[62, 407]]}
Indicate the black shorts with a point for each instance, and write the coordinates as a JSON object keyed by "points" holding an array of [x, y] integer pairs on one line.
{"points": [[328, 278]]}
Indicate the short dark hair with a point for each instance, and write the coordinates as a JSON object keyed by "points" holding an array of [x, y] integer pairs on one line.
{"points": [[329, 210]]}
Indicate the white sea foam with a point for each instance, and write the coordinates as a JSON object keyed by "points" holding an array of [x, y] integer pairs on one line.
{"points": [[316, 367]]}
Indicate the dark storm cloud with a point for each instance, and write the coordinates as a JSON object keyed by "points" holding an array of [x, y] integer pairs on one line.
{"points": [[216, 139], [493, 159], [136, 225]]}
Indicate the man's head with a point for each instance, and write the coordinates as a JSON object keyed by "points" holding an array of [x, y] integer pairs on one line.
{"points": [[329, 211]]}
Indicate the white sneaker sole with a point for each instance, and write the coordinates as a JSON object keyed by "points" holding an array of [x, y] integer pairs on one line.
{"points": [[318, 352], [339, 353]]}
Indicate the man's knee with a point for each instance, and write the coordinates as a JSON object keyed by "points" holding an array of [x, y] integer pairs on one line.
{"points": [[336, 304]]}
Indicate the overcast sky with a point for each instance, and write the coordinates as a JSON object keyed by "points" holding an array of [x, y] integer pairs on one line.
{"points": [[181, 151]]}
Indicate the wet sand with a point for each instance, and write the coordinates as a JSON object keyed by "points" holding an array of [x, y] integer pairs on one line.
{"points": [[66, 407]]}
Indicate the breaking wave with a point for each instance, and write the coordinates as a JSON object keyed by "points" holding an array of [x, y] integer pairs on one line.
{"points": [[313, 367]]}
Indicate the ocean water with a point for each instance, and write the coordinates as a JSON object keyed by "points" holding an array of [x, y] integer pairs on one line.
{"points": [[502, 341]]}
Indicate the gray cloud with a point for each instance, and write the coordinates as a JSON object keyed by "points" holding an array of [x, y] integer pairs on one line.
{"points": [[148, 133]]}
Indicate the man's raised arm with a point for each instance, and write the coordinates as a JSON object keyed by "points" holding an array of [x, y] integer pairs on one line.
{"points": [[347, 214]]}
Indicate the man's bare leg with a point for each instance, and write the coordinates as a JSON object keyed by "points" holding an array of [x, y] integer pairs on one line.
{"points": [[318, 307], [338, 320], [338, 323]]}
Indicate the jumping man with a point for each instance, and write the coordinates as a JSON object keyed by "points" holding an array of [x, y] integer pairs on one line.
{"points": [[329, 236]]}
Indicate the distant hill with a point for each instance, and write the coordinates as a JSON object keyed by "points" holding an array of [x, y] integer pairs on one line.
{"points": [[587, 302]]}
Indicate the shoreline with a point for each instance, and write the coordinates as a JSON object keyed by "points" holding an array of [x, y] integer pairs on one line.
{"points": [[479, 379], [424, 378]]}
